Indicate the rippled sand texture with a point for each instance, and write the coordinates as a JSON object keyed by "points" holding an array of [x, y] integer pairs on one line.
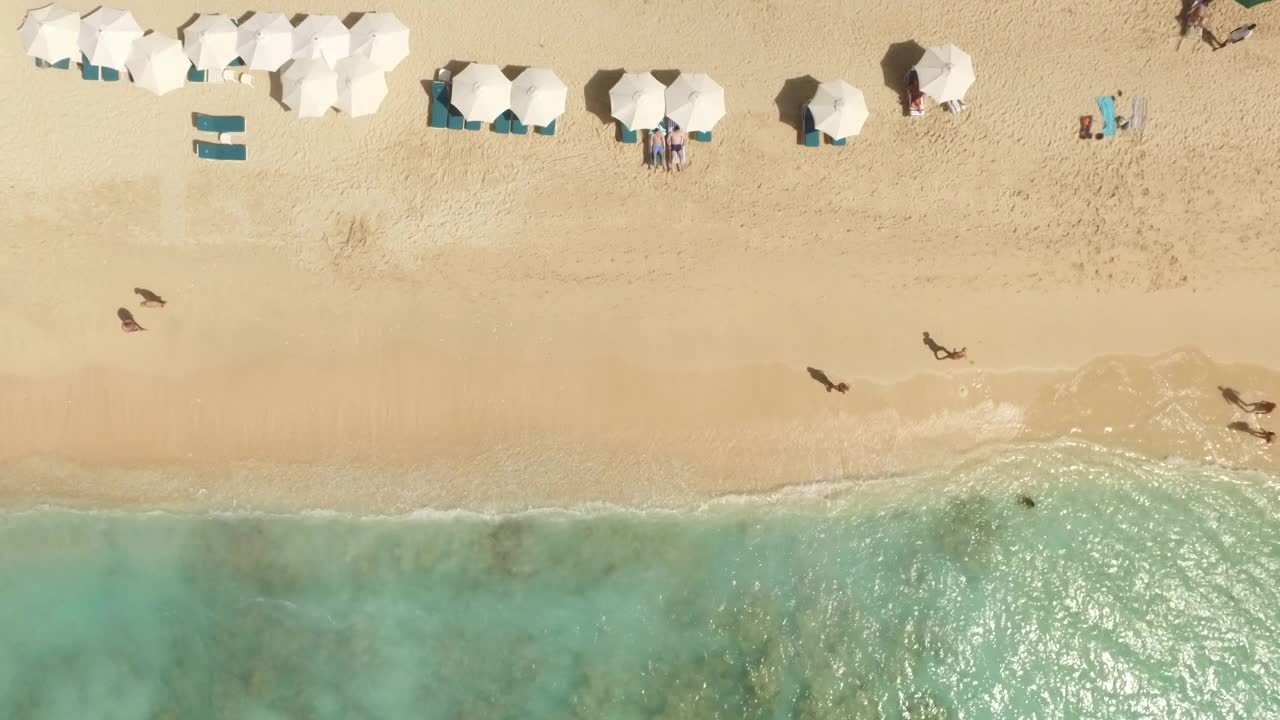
{"points": [[1131, 589]]}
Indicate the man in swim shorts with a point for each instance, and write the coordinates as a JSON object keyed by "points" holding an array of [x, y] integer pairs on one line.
{"points": [[676, 138], [657, 143]]}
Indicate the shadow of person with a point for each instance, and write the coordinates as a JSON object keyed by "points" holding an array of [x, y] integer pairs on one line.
{"points": [[127, 323], [794, 93], [825, 381], [596, 93], [898, 61], [1231, 396], [940, 352], [1244, 427]]}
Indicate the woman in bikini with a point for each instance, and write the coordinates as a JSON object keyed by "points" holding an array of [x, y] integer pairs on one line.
{"points": [[657, 143]]}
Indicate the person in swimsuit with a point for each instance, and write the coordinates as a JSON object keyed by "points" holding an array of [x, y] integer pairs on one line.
{"points": [[677, 140], [657, 143]]}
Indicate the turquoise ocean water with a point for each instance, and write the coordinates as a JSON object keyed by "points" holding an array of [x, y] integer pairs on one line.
{"points": [[1133, 589]]}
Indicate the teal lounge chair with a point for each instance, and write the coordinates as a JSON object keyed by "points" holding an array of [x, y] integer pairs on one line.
{"points": [[194, 75], [64, 64], [456, 121], [439, 117], [218, 151], [88, 71], [220, 123], [548, 129], [502, 123], [236, 63], [629, 136], [839, 142], [110, 74], [517, 127], [810, 136], [472, 124], [701, 135]]}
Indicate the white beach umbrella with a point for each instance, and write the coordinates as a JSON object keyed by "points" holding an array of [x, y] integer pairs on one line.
{"points": [[211, 42], [158, 64], [362, 85], [321, 37], [538, 96], [481, 92], [382, 38], [310, 87], [265, 41], [839, 109], [638, 100], [107, 35], [695, 102], [945, 73], [51, 33]]}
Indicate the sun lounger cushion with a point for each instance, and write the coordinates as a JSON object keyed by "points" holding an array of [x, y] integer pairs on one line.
{"points": [[456, 121], [439, 113], [110, 74], [64, 64], [88, 71], [194, 75], [548, 129], [502, 123], [220, 123], [840, 142], [218, 151], [236, 63], [628, 135], [517, 127], [701, 135], [809, 135]]}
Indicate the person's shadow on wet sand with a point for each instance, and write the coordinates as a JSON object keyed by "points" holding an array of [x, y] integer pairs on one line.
{"points": [[1262, 407], [1244, 427], [825, 381], [940, 352]]}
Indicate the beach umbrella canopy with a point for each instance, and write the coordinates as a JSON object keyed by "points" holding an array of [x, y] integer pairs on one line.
{"points": [[538, 96], [310, 87], [945, 73], [382, 38], [211, 42], [638, 100], [481, 92], [361, 86], [839, 109], [107, 36], [265, 41], [158, 64], [695, 102], [51, 33], [321, 37]]}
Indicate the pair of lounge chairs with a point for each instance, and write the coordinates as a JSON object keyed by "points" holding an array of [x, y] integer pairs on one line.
{"points": [[228, 75], [445, 116], [226, 126], [810, 135]]}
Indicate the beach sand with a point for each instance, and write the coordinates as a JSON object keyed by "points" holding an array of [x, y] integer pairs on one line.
{"points": [[378, 316]]}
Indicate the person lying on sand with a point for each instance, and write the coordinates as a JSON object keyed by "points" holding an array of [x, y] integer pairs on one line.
{"points": [[149, 299], [915, 98], [127, 323], [940, 352], [676, 139], [1196, 15]]}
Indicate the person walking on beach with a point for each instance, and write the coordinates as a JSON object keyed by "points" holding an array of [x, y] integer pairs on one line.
{"points": [[1240, 34], [676, 138], [127, 323], [940, 352], [657, 143], [1262, 407]]}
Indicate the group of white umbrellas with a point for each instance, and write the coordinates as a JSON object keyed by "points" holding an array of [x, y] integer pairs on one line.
{"points": [[694, 101], [328, 65], [482, 93]]}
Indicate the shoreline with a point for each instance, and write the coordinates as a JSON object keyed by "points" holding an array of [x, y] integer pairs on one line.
{"points": [[545, 452]]}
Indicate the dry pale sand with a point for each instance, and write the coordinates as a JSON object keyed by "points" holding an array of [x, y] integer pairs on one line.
{"points": [[374, 315]]}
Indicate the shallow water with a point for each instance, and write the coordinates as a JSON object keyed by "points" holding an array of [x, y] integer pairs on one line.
{"points": [[1132, 589]]}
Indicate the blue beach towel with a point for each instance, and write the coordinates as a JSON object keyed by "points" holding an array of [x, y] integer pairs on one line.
{"points": [[1108, 107]]}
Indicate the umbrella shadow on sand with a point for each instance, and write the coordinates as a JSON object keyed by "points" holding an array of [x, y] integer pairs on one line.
{"points": [[795, 92], [897, 62], [596, 93]]}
